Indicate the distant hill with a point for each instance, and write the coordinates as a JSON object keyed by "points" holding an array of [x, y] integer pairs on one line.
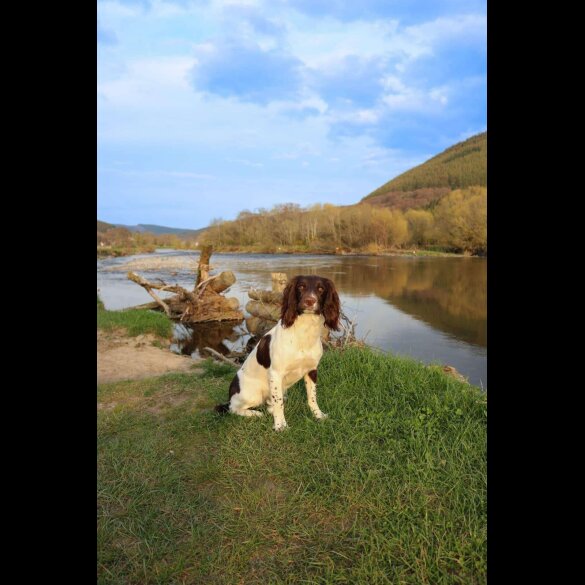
{"points": [[160, 229], [102, 226], [462, 165]]}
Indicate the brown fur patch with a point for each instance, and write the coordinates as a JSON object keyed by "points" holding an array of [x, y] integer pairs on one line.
{"points": [[313, 376], [263, 352], [235, 386]]}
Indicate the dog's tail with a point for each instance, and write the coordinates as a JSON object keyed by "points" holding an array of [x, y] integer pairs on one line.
{"points": [[223, 408]]}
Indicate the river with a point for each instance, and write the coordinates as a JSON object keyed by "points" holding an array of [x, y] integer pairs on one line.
{"points": [[430, 308]]}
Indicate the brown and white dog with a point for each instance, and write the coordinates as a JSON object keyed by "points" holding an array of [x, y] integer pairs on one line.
{"points": [[291, 350]]}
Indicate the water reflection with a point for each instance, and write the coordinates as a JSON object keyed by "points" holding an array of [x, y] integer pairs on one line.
{"points": [[223, 337], [449, 294]]}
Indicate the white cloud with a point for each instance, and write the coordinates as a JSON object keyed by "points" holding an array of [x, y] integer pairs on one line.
{"points": [[145, 83], [413, 99], [116, 11], [470, 27], [321, 43], [243, 161]]}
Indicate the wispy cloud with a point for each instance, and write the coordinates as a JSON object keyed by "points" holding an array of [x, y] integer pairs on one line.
{"points": [[243, 161]]}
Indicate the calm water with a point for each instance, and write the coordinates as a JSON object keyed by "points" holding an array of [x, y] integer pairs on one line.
{"points": [[433, 309]]}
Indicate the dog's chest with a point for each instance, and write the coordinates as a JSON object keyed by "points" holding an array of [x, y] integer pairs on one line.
{"points": [[299, 365], [297, 356]]}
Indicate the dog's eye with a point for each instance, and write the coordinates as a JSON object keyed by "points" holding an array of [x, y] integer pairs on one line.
{"points": [[301, 286], [320, 289]]}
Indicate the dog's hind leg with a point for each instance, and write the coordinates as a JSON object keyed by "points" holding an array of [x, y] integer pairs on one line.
{"points": [[243, 406], [247, 412]]}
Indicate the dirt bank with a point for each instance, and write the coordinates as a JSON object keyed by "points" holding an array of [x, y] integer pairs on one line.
{"points": [[130, 358]]}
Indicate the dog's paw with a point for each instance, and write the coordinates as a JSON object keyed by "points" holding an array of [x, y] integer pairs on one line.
{"points": [[280, 426], [321, 416]]}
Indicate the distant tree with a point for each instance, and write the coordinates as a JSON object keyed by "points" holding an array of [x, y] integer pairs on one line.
{"points": [[420, 223], [461, 220]]}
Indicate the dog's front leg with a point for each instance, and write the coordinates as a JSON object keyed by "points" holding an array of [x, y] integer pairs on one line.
{"points": [[311, 386], [277, 400]]}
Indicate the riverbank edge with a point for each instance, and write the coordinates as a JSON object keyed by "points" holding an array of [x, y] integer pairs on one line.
{"points": [[394, 253]]}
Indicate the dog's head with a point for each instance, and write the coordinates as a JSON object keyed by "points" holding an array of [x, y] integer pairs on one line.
{"points": [[313, 295]]}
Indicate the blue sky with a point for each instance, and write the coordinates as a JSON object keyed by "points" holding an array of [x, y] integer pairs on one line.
{"points": [[209, 107]]}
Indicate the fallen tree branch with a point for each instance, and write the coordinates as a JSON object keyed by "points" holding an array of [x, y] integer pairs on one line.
{"points": [[160, 302], [203, 305], [206, 281], [163, 287], [148, 287], [221, 357]]}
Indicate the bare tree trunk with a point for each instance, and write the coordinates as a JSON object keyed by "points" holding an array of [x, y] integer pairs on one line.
{"points": [[279, 280], [203, 270]]}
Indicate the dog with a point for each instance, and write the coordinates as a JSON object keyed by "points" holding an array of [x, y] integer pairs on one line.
{"points": [[291, 350]]}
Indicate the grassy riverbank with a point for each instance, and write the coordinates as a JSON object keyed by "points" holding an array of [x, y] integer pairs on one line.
{"points": [[390, 489], [134, 321]]}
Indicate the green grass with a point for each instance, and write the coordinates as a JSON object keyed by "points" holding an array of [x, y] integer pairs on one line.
{"points": [[391, 488], [134, 321]]}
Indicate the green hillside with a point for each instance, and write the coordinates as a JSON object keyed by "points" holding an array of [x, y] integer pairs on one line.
{"points": [[460, 166]]}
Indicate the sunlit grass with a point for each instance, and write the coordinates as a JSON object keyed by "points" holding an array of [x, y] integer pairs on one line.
{"points": [[134, 321], [391, 488]]}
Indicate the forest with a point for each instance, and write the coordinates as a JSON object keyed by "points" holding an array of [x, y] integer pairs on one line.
{"points": [[456, 223]]}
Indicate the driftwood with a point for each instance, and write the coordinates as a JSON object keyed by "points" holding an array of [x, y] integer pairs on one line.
{"points": [[222, 281], [164, 287], [259, 326], [204, 303], [210, 307], [264, 310], [218, 355], [265, 306], [266, 296], [279, 280], [203, 270], [148, 286]]}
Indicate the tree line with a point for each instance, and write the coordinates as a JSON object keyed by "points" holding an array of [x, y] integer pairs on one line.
{"points": [[458, 223]]}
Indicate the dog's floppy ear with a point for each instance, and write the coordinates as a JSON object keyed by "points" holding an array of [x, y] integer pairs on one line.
{"points": [[289, 312], [331, 306]]}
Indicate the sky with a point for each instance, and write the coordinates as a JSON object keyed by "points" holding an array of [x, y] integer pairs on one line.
{"points": [[206, 108]]}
